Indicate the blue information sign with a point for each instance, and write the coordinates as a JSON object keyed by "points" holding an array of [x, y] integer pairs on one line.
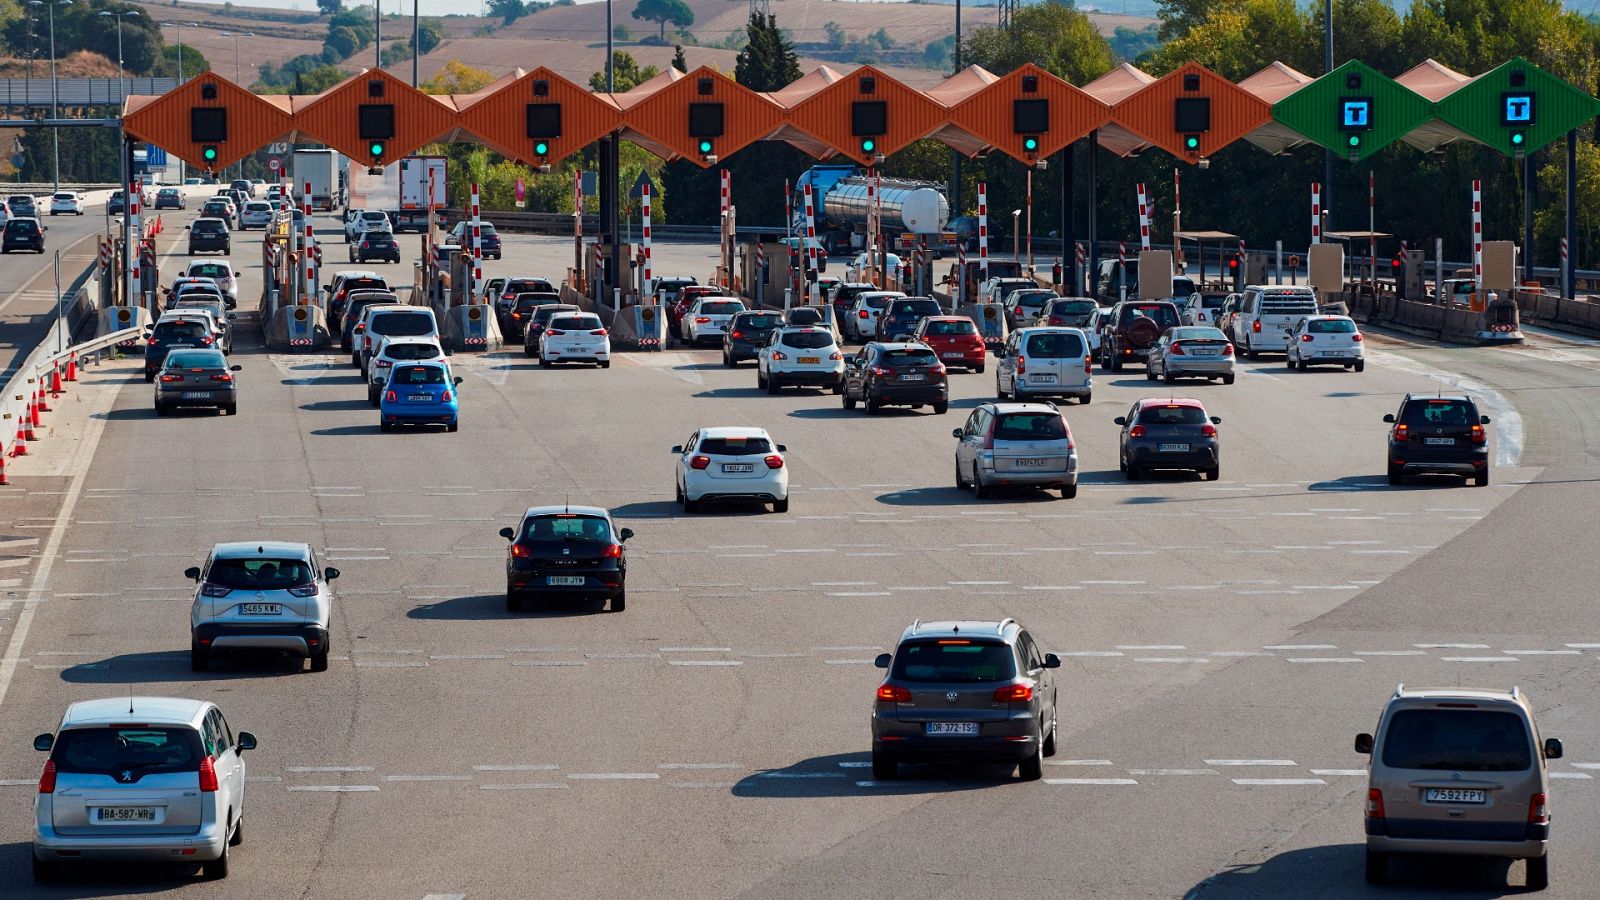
{"points": [[1355, 113], [1516, 108]]}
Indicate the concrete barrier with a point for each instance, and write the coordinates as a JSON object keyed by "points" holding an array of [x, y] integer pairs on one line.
{"points": [[121, 318], [296, 328], [471, 328], [991, 320]]}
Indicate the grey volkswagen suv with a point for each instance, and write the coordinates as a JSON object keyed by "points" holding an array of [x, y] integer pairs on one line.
{"points": [[979, 691]]}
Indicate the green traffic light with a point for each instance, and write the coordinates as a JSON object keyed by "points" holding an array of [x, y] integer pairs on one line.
{"points": [[1192, 142], [868, 145], [376, 149], [1517, 138], [541, 149], [1030, 144], [210, 154], [1355, 140], [705, 146]]}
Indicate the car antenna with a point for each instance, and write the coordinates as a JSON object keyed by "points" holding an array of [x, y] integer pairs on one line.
{"points": [[130, 698]]}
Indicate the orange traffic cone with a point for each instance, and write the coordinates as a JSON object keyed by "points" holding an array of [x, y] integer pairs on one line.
{"points": [[40, 401], [72, 366], [19, 447], [3, 479], [55, 380]]}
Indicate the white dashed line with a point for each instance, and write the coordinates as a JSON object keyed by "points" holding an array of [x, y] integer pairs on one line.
{"points": [[529, 767], [1151, 647], [1249, 762], [328, 769], [1390, 652], [1339, 772], [1324, 659], [1451, 646], [426, 778], [1300, 647], [1170, 659], [1091, 781], [523, 786], [1542, 652], [699, 766], [1172, 771], [799, 775], [1479, 659], [334, 788], [1268, 782], [1572, 775], [613, 776], [706, 662], [1078, 762]]}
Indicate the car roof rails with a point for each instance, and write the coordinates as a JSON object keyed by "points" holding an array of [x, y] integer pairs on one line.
{"points": [[1399, 690]]}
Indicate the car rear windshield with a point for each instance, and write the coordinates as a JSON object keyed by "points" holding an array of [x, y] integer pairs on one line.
{"points": [[178, 330], [114, 750], [953, 660], [22, 226], [721, 308], [1212, 301], [1442, 412], [910, 356], [518, 285], [735, 446], [260, 574], [66, 196], [209, 230], [195, 359], [1199, 334], [805, 315], [1074, 308], [258, 206], [916, 308], [406, 324], [374, 217], [350, 285], [848, 295], [576, 323], [528, 301], [417, 375], [546, 313], [411, 351], [1029, 426], [1288, 303], [1457, 740], [1172, 415], [1162, 314], [1037, 300], [566, 527], [761, 322], [807, 340], [208, 270], [941, 329], [1054, 345], [1331, 326]]}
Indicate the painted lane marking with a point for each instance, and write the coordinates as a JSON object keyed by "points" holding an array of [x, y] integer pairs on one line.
{"points": [[1078, 762], [1277, 781], [1542, 652], [1390, 652], [1480, 659], [1090, 653], [1151, 647], [328, 769], [705, 662], [799, 775], [699, 766], [1172, 771], [1249, 762], [613, 776], [334, 788], [529, 767], [1451, 646], [1300, 647], [1324, 659], [426, 778], [524, 786], [1170, 659], [1091, 781]]}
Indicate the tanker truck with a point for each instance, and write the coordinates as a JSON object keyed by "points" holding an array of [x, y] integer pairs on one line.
{"points": [[911, 211]]}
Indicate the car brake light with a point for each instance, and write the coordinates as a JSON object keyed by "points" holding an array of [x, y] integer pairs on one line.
{"points": [[938, 369], [1088, 366], [367, 342], [1022, 365], [1200, 317], [1256, 326], [389, 396], [554, 331], [701, 320], [1177, 350], [1136, 431], [1209, 430], [517, 316], [215, 590], [835, 355], [774, 461], [309, 589], [612, 551], [165, 379], [445, 397], [208, 775], [1356, 337], [1539, 809], [520, 552], [1305, 338], [206, 341], [863, 314], [600, 331], [1478, 434], [1375, 803], [1227, 349], [880, 371], [383, 363], [699, 462], [222, 376], [737, 335], [1014, 693], [1401, 431], [894, 693], [47, 778]]}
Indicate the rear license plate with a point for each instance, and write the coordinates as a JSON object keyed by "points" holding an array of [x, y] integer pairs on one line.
{"points": [[1172, 448], [565, 580], [1042, 379], [260, 609], [1453, 795], [1032, 463], [126, 814], [911, 377], [1205, 351], [1439, 442], [419, 398], [197, 395], [810, 360], [951, 728], [951, 355], [738, 467], [1333, 353]]}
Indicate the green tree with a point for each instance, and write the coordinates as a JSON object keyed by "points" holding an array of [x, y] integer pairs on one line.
{"points": [[621, 32], [663, 11], [330, 7], [457, 77], [1238, 40], [341, 42], [1055, 36], [167, 66], [508, 10], [768, 62], [301, 79], [626, 73], [678, 61], [429, 36], [835, 35]]}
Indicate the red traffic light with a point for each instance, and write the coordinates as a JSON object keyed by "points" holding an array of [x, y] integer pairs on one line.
{"points": [[1396, 262], [1233, 263]]}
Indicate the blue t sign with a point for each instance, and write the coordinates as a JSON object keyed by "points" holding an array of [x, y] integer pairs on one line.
{"points": [[1355, 114], [1516, 109]]}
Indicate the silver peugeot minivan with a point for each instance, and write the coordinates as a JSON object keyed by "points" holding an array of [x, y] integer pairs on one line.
{"points": [[1460, 772]]}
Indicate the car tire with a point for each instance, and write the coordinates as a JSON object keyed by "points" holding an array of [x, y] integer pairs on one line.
{"points": [[238, 834], [980, 491], [1481, 479], [149, 378], [199, 657], [1032, 768], [941, 408], [1133, 471], [1539, 872], [385, 427], [605, 363], [319, 660], [1300, 364], [846, 400], [761, 378], [1166, 376], [1069, 492], [1227, 379], [884, 768], [1288, 362], [1249, 352], [727, 361], [161, 409], [1085, 397], [773, 387], [1377, 868], [45, 870], [1397, 476], [620, 601], [1213, 473], [372, 399], [1361, 365], [1116, 362], [690, 506], [527, 351], [961, 483], [872, 407], [543, 363], [216, 869], [838, 386], [513, 602], [232, 409], [978, 369], [452, 428], [780, 506], [1050, 741]]}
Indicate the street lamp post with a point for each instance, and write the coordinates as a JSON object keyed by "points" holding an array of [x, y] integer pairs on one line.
{"points": [[105, 13], [55, 93], [179, 26], [1016, 235], [237, 36]]}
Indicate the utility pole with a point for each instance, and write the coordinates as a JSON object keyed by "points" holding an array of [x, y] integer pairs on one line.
{"points": [[416, 39], [955, 155], [1327, 66], [55, 92]]}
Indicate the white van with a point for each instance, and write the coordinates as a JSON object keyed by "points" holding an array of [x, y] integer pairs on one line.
{"points": [[1264, 314], [1044, 361]]}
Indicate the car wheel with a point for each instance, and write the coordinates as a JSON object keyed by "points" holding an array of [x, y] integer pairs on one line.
{"points": [[884, 768], [45, 870], [372, 398], [980, 490], [838, 386], [941, 408], [1069, 492], [1032, 768], [1050, 742], [161, 409], [1377, 869], [149, 378], [1361, 365], [1397, 476], [199, 657], [780, 506], [232, 409], [1539, 872], [1133, 471], [513, 602], [1227, 379], [1300, 364], [872, 407], [238, 834], [605, 363], [846, 400], [1482, 478], [1249, 352], [761, 378], [961, 483], [1288, 362], [216, 869], [1166, 376], [453, 427], [1213, 473], [772, 386], [544, 363], [385, 427], [978, 369], [727, 361], [619, 602], [527, 351], [319, 660]]}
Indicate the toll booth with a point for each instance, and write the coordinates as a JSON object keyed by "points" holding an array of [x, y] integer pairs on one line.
{"points": [[762, 268]]}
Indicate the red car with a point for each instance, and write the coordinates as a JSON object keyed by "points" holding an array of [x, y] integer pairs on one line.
{"points": [[686, 298], [954, 338]]}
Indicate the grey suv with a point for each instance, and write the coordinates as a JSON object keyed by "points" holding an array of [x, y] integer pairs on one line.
{"points": [[965, 690], [266, 595], [1438, 435]]}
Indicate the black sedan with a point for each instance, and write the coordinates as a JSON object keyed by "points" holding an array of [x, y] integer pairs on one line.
{"points": [[572, 552], [376, 245], [197, 378]]}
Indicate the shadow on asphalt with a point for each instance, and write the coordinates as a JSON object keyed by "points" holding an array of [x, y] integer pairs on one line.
{"points": [[173, 665], [324, 380], [951, 496], [726, 393], [652, 509], [1381, 483], [1336, 870], [493, 606], [126, 414], [837, 775], [97, 880], [349, 430], [335, 405]]}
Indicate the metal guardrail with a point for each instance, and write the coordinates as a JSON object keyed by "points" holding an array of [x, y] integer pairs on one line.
{"points": [[37, 374]]}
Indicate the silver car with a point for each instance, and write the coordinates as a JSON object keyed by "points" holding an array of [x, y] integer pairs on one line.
{"points": [[142, 779], [1021, 444], [196, 378], [266, 595], [1190, 351]]}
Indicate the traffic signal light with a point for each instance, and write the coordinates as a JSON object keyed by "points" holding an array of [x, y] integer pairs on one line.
{"points": [[1030, 144], [375, 149], [1030, 118], [1191, 143], [1519, 144], [706, 123], [541, 148], [705, 147], [1236, 272], [209, 154], [869, 120], [868, 145], [376, 124]]}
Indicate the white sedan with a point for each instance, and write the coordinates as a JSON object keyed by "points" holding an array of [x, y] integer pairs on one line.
{"points": [[733, 463], [66, 203], [575, 337], [708, 318], [888, 264]]}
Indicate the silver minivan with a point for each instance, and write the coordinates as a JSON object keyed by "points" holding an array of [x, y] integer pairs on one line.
{"points": [[1044, 361], [140, 779], [1460, 772], [1020, 444]]}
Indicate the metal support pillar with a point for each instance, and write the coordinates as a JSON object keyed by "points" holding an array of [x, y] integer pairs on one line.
{"points": [[1069, 231], [1527, 217], [129, 288], [1094, 219], [1570, 263], [609, 224]]}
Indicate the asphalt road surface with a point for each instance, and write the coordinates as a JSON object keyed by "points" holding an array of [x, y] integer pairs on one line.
{"points": [[1222, 641]]}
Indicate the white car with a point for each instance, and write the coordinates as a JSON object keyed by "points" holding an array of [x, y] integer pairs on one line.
{"points": [[256, 214], [888, 264], [361, 221], [861, 323], [220, 271], [1266, 313], [708, 318], [66, 202], [800, 356], [735, 463], [575, 337], [392, 350], [150, 779], [1326, 340]]}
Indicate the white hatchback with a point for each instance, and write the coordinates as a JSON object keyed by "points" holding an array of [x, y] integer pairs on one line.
{"points": [[1326, 341], [256, 214], [575, 337], [734, 463], [708, 318], [220, 271], [862, 321], [66, 203], [800, 356]]}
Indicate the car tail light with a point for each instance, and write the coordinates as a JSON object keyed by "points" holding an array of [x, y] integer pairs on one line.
{"points": [[366, 245], [612, 551], [1200, 317], [1375, 803], [1402, 431], [1227, 349], [383, 363], [938, 369], [1057, 320], [520, 552], [554, 331], [894, 693], [1208, 430], [367, 342], [699, 462], [737, 335], [774, 461], [389, 396], [47, 778], [1177, 350], [215, 590], [167, 379], [1014, 693], [1022, 365], [517, 316], [701, 320], [445, 397], [309, 589], [1356, 337], [864, 314], [207, 340], [1136, 431], [1305, 338], [779, 354], [222, 376], [599, 331], [208, 775], [1538, 809], [1478, 434]]}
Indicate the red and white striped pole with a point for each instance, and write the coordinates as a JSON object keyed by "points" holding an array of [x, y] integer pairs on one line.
{"points": [[1566, 286], [722, 222], [1477, 237], [1144, 219], [873, 261], [983, 232], [1077, 283], [577, 225], [1316, 213], [310, 264], [131, 246], [644, 208], [812, 289], [794, 248], [476, 282]]}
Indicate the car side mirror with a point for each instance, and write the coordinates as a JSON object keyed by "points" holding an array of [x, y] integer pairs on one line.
{"points": [[247, 741], [625, 533], [507, 533], [1120, 420], [1483, 419], [1052, 661], [44, 742], [677, 449], [1389, 417], [999, 353], [1552, 748], [458, 379], [957, 433], [192, 573], [1363, 743], [783, 448], [882, 662], [330, 573], [236, 368], [1216, 420]]}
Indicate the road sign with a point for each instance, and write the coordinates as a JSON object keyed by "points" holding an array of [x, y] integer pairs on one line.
{"points": [[591, 183], [1294, 261], [637, 191], [275, 164]]}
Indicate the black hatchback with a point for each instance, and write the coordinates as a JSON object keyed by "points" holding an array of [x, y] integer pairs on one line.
{"points": [[22, 234], [171, 332], [376, 245], [1438, 435], [747, 331], [209, 235], [901, 315], [882, 374], [566, 551]]}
